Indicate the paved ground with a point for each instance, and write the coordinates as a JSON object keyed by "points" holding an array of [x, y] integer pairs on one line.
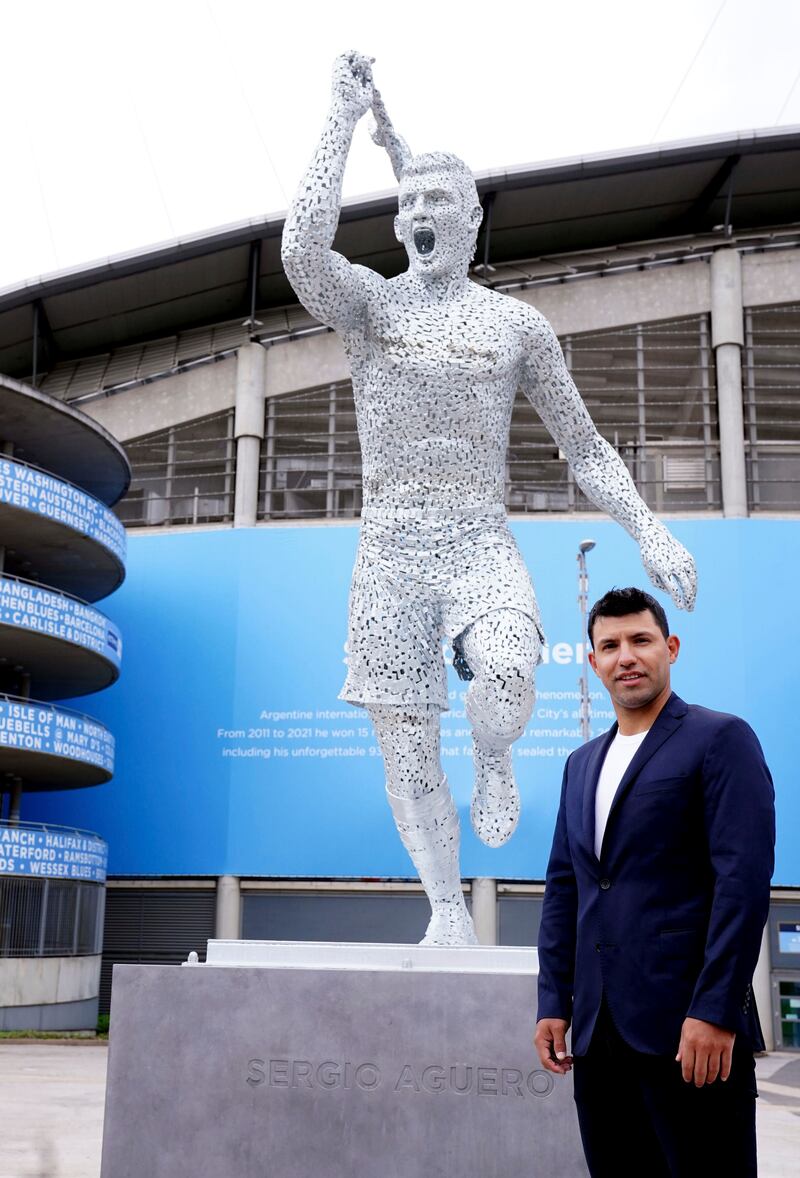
{"points": [[778, 1110], [51, 1097]]}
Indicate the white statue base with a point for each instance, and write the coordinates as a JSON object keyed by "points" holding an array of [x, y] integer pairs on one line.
{"points": [[305, 1060]]}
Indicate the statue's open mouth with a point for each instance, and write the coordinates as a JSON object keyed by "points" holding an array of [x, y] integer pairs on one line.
{"points": [[424, 240]]}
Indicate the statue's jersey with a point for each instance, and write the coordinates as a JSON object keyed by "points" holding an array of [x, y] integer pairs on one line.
{"points": [[434, 387]]}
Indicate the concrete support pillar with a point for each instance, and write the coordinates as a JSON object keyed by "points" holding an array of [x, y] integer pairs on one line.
{"points": [[762, 991], [248, 429], [248, 452], [727, 338], [228, 924], [484, 910]]}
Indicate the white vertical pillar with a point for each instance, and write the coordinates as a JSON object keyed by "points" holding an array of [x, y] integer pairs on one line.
{"points": [[228, 924], [248, 429], [762, 991], [484, 910], [727, 338]]}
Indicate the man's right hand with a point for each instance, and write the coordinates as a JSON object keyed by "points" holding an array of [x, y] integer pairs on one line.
{"points": [[550, 1042], [352, 83]]}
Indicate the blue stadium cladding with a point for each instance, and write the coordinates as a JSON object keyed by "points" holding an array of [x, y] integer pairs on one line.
{"points": [[235, 756]]}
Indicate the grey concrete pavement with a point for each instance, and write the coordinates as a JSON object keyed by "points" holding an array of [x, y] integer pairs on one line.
{"points": [[51, 1096], [778, 1114]]}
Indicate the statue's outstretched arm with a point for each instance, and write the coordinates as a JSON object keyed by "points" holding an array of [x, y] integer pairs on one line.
{"points": [[327, 285], [598, 469]]}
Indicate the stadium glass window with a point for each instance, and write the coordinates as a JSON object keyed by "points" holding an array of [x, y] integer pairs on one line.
{"points": [[650, 390], [182, 475], [772, 407]]}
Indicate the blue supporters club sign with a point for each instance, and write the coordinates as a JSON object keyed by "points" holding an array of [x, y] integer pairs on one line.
{"points": [[55, 732], [42, 494], [45, 611], [52, 854]]}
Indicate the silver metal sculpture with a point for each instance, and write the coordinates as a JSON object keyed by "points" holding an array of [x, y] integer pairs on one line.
{"points": [[436, 362]]}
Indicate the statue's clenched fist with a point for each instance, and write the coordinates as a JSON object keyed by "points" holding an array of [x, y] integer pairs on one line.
{"points": [[669, 565], [352, 83]]}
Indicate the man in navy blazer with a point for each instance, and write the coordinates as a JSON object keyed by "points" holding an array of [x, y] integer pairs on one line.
{"points": [[657, 893]]}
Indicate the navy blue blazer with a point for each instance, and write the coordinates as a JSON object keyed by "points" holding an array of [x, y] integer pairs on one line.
{"points": [[667, 922]]}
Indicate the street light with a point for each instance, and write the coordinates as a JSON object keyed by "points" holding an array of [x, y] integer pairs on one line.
{"points": [[583, 601]]}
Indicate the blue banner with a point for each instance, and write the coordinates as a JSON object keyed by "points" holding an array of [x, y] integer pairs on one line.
{"points": [[52, 853], [55, 732], [33, 490], [235, 756], [45, 611]]}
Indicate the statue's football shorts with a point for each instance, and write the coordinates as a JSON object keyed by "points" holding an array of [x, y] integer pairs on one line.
{"points": [[418, 580]]}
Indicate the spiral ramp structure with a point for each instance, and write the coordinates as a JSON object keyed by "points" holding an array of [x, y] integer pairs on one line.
{"points": [[62, 550]]}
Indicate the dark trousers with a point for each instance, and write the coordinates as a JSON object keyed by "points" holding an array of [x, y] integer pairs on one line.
{"points": [[640, 1119]]}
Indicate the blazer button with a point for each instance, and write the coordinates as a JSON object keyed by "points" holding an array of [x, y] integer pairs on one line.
{"points": [[605, 884]]}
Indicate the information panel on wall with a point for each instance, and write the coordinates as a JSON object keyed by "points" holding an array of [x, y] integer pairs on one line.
{"points": [[234, 754]]}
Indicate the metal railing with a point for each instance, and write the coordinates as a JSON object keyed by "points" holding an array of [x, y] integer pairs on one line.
{"points": [[43, 916], [772, 407], [649, 388], [183, 475], [310, 459]]}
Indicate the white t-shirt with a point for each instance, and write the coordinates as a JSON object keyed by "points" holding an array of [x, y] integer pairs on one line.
{"points": [[620, 753]]}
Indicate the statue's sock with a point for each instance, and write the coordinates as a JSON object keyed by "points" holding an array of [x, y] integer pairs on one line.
{"points": [[429, 829]]}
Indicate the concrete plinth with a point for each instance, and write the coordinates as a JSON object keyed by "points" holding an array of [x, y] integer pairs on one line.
{"points": [[343, 1061]]}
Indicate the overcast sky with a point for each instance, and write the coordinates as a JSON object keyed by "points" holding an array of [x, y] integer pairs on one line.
{"points": [[129, 124]]}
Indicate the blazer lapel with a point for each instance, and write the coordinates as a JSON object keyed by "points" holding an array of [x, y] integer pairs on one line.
{"points": [[593, 766], [668, 719]]}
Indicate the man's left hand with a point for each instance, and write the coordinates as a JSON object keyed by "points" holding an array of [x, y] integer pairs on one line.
{"points": [[669, 565], [705, 1052]]}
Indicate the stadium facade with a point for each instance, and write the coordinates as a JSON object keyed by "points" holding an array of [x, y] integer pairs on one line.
{"points": [[247, 800]]}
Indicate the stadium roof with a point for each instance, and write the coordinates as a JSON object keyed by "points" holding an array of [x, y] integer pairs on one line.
{"points": [[536, 217]]}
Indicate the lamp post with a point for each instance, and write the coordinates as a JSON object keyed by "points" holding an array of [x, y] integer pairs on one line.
{"points": [[583, 601]]}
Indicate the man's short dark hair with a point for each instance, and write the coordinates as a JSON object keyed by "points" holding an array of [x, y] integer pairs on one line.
{"points": [[618, 603]]}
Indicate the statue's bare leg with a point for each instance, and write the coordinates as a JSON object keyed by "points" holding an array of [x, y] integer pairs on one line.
{"points": [[502, 650], [425, 814]]}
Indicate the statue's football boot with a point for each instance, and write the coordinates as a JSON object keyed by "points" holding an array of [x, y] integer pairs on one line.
{"points": [[450, 925], [495, 797]]}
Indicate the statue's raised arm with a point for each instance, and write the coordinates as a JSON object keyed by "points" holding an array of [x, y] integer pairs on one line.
{"points": [[328, 286]]}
